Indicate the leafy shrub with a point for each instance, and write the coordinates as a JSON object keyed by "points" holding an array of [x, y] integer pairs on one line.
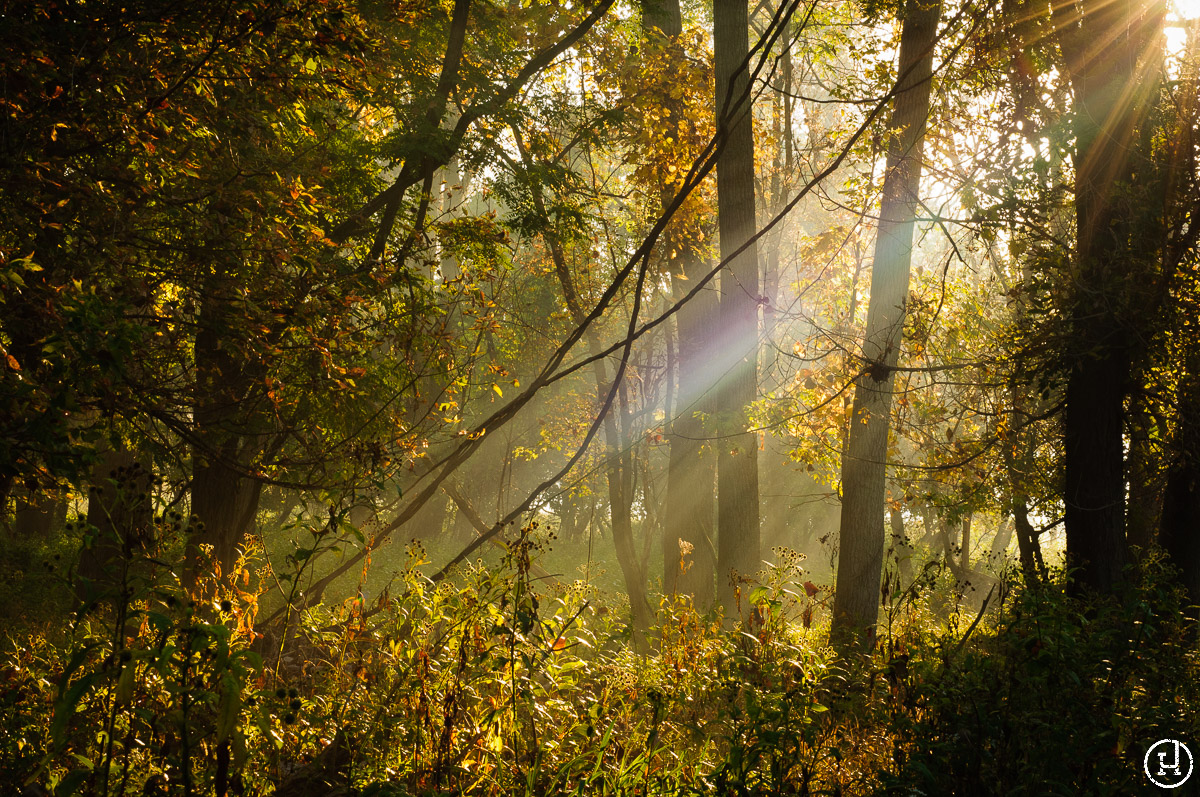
{"points": [[1063, 698]]}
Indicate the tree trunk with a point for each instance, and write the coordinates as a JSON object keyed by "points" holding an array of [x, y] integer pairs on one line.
{"points": [[120, 519], [864, 469], [618, 457], [689, 556], [1111, 98], [900, 548], [224, 499], [1178, 532], [964, 557], [997, 554], [38, 515], [1018, 453], [738, 531]]}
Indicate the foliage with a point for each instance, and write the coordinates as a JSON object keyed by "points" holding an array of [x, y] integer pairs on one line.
{"points": [[1064, 697], [501, 682]]}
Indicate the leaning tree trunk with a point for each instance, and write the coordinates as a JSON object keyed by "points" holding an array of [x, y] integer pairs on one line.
{"points": [[864, 469], [737, 338], [618, 442], [1103, 45]]}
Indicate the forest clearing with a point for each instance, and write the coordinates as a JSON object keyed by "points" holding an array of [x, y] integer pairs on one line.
{"points": [[599, 397]]}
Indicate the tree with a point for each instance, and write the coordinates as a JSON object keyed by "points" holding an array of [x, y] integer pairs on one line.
{"points": [[688, 550], [860, 556], [1109, 57], [736, 342]]}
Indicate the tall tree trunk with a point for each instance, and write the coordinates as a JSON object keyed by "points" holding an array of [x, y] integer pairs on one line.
{"points": [[737, 448], [224, 498], [997, 554], [689, 556], [860, 555], [1102, 44]]}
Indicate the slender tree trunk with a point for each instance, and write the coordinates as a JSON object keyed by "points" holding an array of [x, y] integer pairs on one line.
{"points": [[738, 531], [1102, 44], [689, 556], [618, 458], [900, 547], [864, 469], [964, 557]]}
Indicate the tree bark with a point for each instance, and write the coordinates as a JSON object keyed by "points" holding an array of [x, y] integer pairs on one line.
{"points": [[860, 555], [224, 499], [689, 556], [900, 547], [1102, 44], [738, 533]]}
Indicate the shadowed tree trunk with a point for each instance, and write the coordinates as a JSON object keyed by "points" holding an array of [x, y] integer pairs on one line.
{"points": [[38, 515], [737, 340], [224, 499], [1179, 532], [120, 518], [1104, 46], [864, 468]]}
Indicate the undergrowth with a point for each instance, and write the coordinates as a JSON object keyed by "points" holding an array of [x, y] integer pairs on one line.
{"points": [[499, 681]]}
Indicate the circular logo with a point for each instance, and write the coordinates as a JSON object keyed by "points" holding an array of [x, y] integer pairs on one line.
{"points": [[1168, 763]]}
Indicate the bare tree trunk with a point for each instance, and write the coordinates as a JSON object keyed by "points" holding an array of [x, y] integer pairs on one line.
{"points": [[1111, 99], [689, 556], [1004, 533], [737, 448], [618, 464], [864, 469], [38, 515], [964, 557], [224, 499]]}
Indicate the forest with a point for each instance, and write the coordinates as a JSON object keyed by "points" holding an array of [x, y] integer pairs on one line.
{"points": [[599, 397]]}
